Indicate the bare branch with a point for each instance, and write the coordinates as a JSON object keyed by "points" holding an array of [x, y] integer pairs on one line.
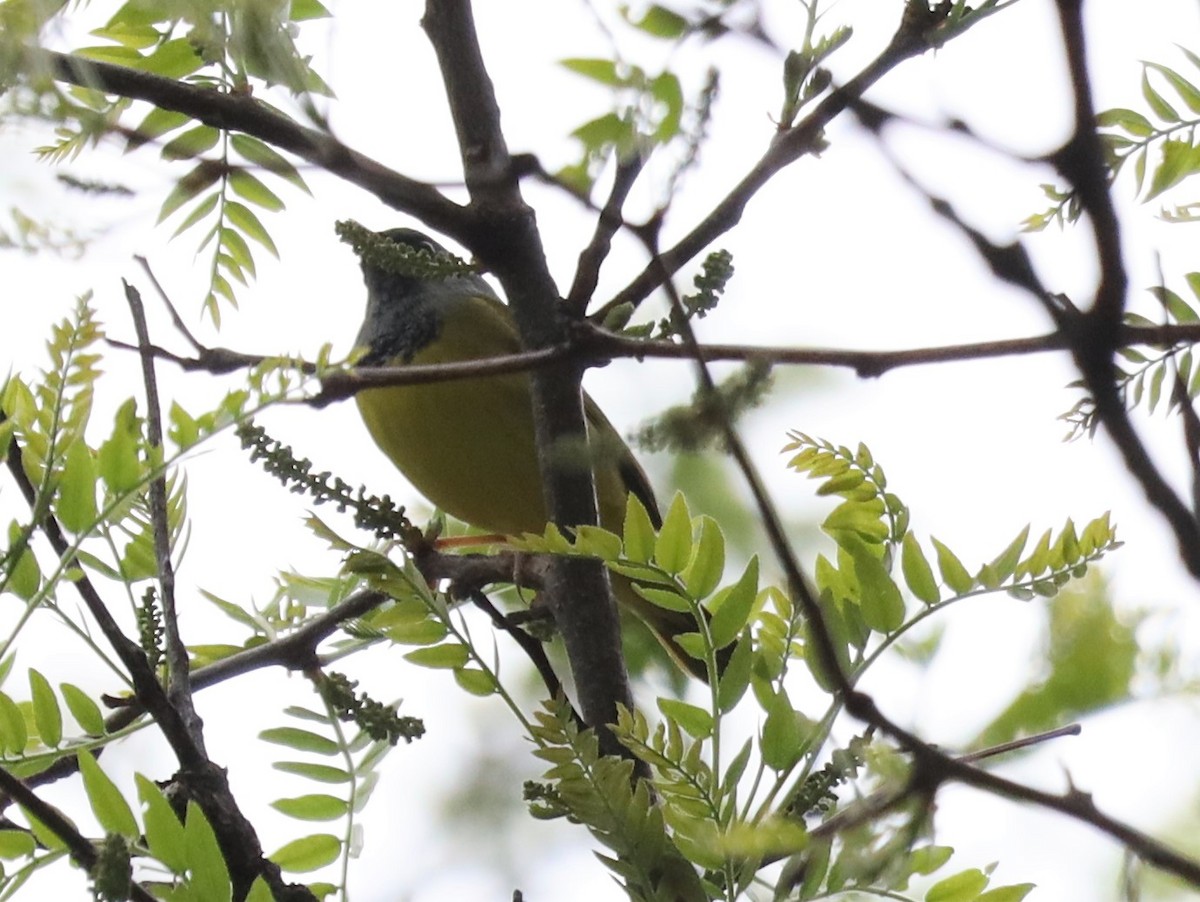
{"points": [[178, 691]]}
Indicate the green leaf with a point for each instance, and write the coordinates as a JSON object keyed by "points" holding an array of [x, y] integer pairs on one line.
{"points": [[708, 560], [120, 467], [209, 875], [734, 681], [240, 257], [174, 59], [301, 740], [1131, 121], [448, 656], [308, 853], [424, 632], [12, 726], [139, 37], [322, 773], [476, 682], [315, 807], [861, 518], [844, 482], [674, 546], [667, 90], [1177, 307], [164, 832], [77, 490], [731, 608], [108, 53], [661, 22], [1161, 108], [664, 598], [262, 154], [927, 859], [1014, 893], [248, 187], [261, 892], [880, 600], [917, 572], [47, 716], [85, 711], [250, 225], [109, 806], [609, 130], [191, 143], [782, 733], [1187, 91], [198, 212], [596, 69], [1093, 654], [1006, 562], [25, 576], [954, 574], [42, 833], [16, 844], [697, 721], [964, 886], [1179, 161], [638, 531], [302, 10], [157, 123]]}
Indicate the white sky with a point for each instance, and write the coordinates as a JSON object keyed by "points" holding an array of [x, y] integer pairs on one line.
{"points": [[835, 252]]}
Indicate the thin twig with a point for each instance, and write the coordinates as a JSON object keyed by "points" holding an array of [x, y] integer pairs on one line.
{"points": [[786, 148], [176, 319], [179, 692], [587, 273], [531, 646]]}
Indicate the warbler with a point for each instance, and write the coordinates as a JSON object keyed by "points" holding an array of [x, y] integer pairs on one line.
{"points": [[468, 444]]}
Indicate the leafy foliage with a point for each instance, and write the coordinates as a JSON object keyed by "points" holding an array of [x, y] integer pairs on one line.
{"points": [[228, 47], [1167, 136], [734, 817], [1148, 373]]}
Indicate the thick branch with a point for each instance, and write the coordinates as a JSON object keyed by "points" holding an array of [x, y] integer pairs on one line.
{"points": [[508, 243]]}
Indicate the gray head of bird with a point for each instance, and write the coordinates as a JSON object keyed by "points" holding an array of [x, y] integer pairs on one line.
{"points": [[408, 294]]}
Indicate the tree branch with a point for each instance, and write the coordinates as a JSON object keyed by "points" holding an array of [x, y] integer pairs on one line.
{"points": [[241, 112], [1096, 333], [785, 148], [507, 241], [178, 690]]}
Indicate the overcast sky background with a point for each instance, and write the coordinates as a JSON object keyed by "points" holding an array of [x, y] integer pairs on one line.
{"points": [[835, 252]]}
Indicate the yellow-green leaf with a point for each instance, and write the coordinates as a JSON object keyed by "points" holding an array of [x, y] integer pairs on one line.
{"points": [[917, 572], [109, 806], [673, 548]]}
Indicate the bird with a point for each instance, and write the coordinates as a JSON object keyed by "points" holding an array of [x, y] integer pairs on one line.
{"points": [[467, 445]]}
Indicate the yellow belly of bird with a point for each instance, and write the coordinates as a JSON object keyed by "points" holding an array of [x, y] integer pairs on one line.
{"points": [[467, 446]]}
